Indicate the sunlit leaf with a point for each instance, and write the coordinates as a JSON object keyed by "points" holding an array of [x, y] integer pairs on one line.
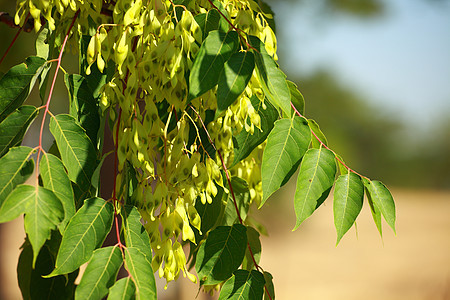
{"points": [[100, 273], [286, 145], [382, 200], [315, 179], [16, 84], [243, 285], [221, 254], [376, 214], [15, 168], [318, 134], [123, 289], [348, 202], [77, 152], [135, 234], [43, 212], [296, 97], [86, 232], [216, 49], [245, 142], [272, 79], [54, 178], [14, 127], [141, 273], [234, 78]]}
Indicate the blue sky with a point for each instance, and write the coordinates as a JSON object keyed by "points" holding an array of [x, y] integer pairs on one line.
{"points": [[400, 60]]}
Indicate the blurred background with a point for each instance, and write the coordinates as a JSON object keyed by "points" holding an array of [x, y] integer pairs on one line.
{"points": [[375, 75]]}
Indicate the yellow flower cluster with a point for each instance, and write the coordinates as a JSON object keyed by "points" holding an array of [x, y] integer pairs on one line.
{"points": [[153, 44]]}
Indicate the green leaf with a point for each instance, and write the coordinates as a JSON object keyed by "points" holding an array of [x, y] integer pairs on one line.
{"points": [[269, 285], [54, 178], [319, 134], [286, 145], [245, 142], [123, 289], [15, 168], [86, 232], [100, 273], [14, 127], [43, 212], [242, 196], [272, 79], [243, 285], [296, 97], [255, 245], [141, 272], [135, 234], [77, 152], [376, 214], [216, 49], [33, 286], [210, 21], [221, 254], [234, 79], [348, 202], [211, 213], [83, 105], [316, 177], [382, 200], [16, 84]]}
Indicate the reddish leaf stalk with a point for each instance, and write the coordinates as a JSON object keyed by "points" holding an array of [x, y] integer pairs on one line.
{"points": [[326, 147], [49, 98]]}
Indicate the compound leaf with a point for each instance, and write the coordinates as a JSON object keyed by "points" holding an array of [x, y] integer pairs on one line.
{"points": [[100, 273], [245, 142], [234, 78], [286, 145], [315, 179], [243, 285], [54, 178], [14, 127], [348, 202], [382, 200], [221, 254], [141, 272], [123, 289], [17, 83], [43, 212], [15, 168], [77, 152], [86, 232], [272, 79], [216, 49]]}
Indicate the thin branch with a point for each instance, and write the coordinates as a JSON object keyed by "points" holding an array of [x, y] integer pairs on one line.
{"points": [[2, 17], [227, 174]]}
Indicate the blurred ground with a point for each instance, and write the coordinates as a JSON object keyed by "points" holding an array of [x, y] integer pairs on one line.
{"points": [[305, 264]]}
